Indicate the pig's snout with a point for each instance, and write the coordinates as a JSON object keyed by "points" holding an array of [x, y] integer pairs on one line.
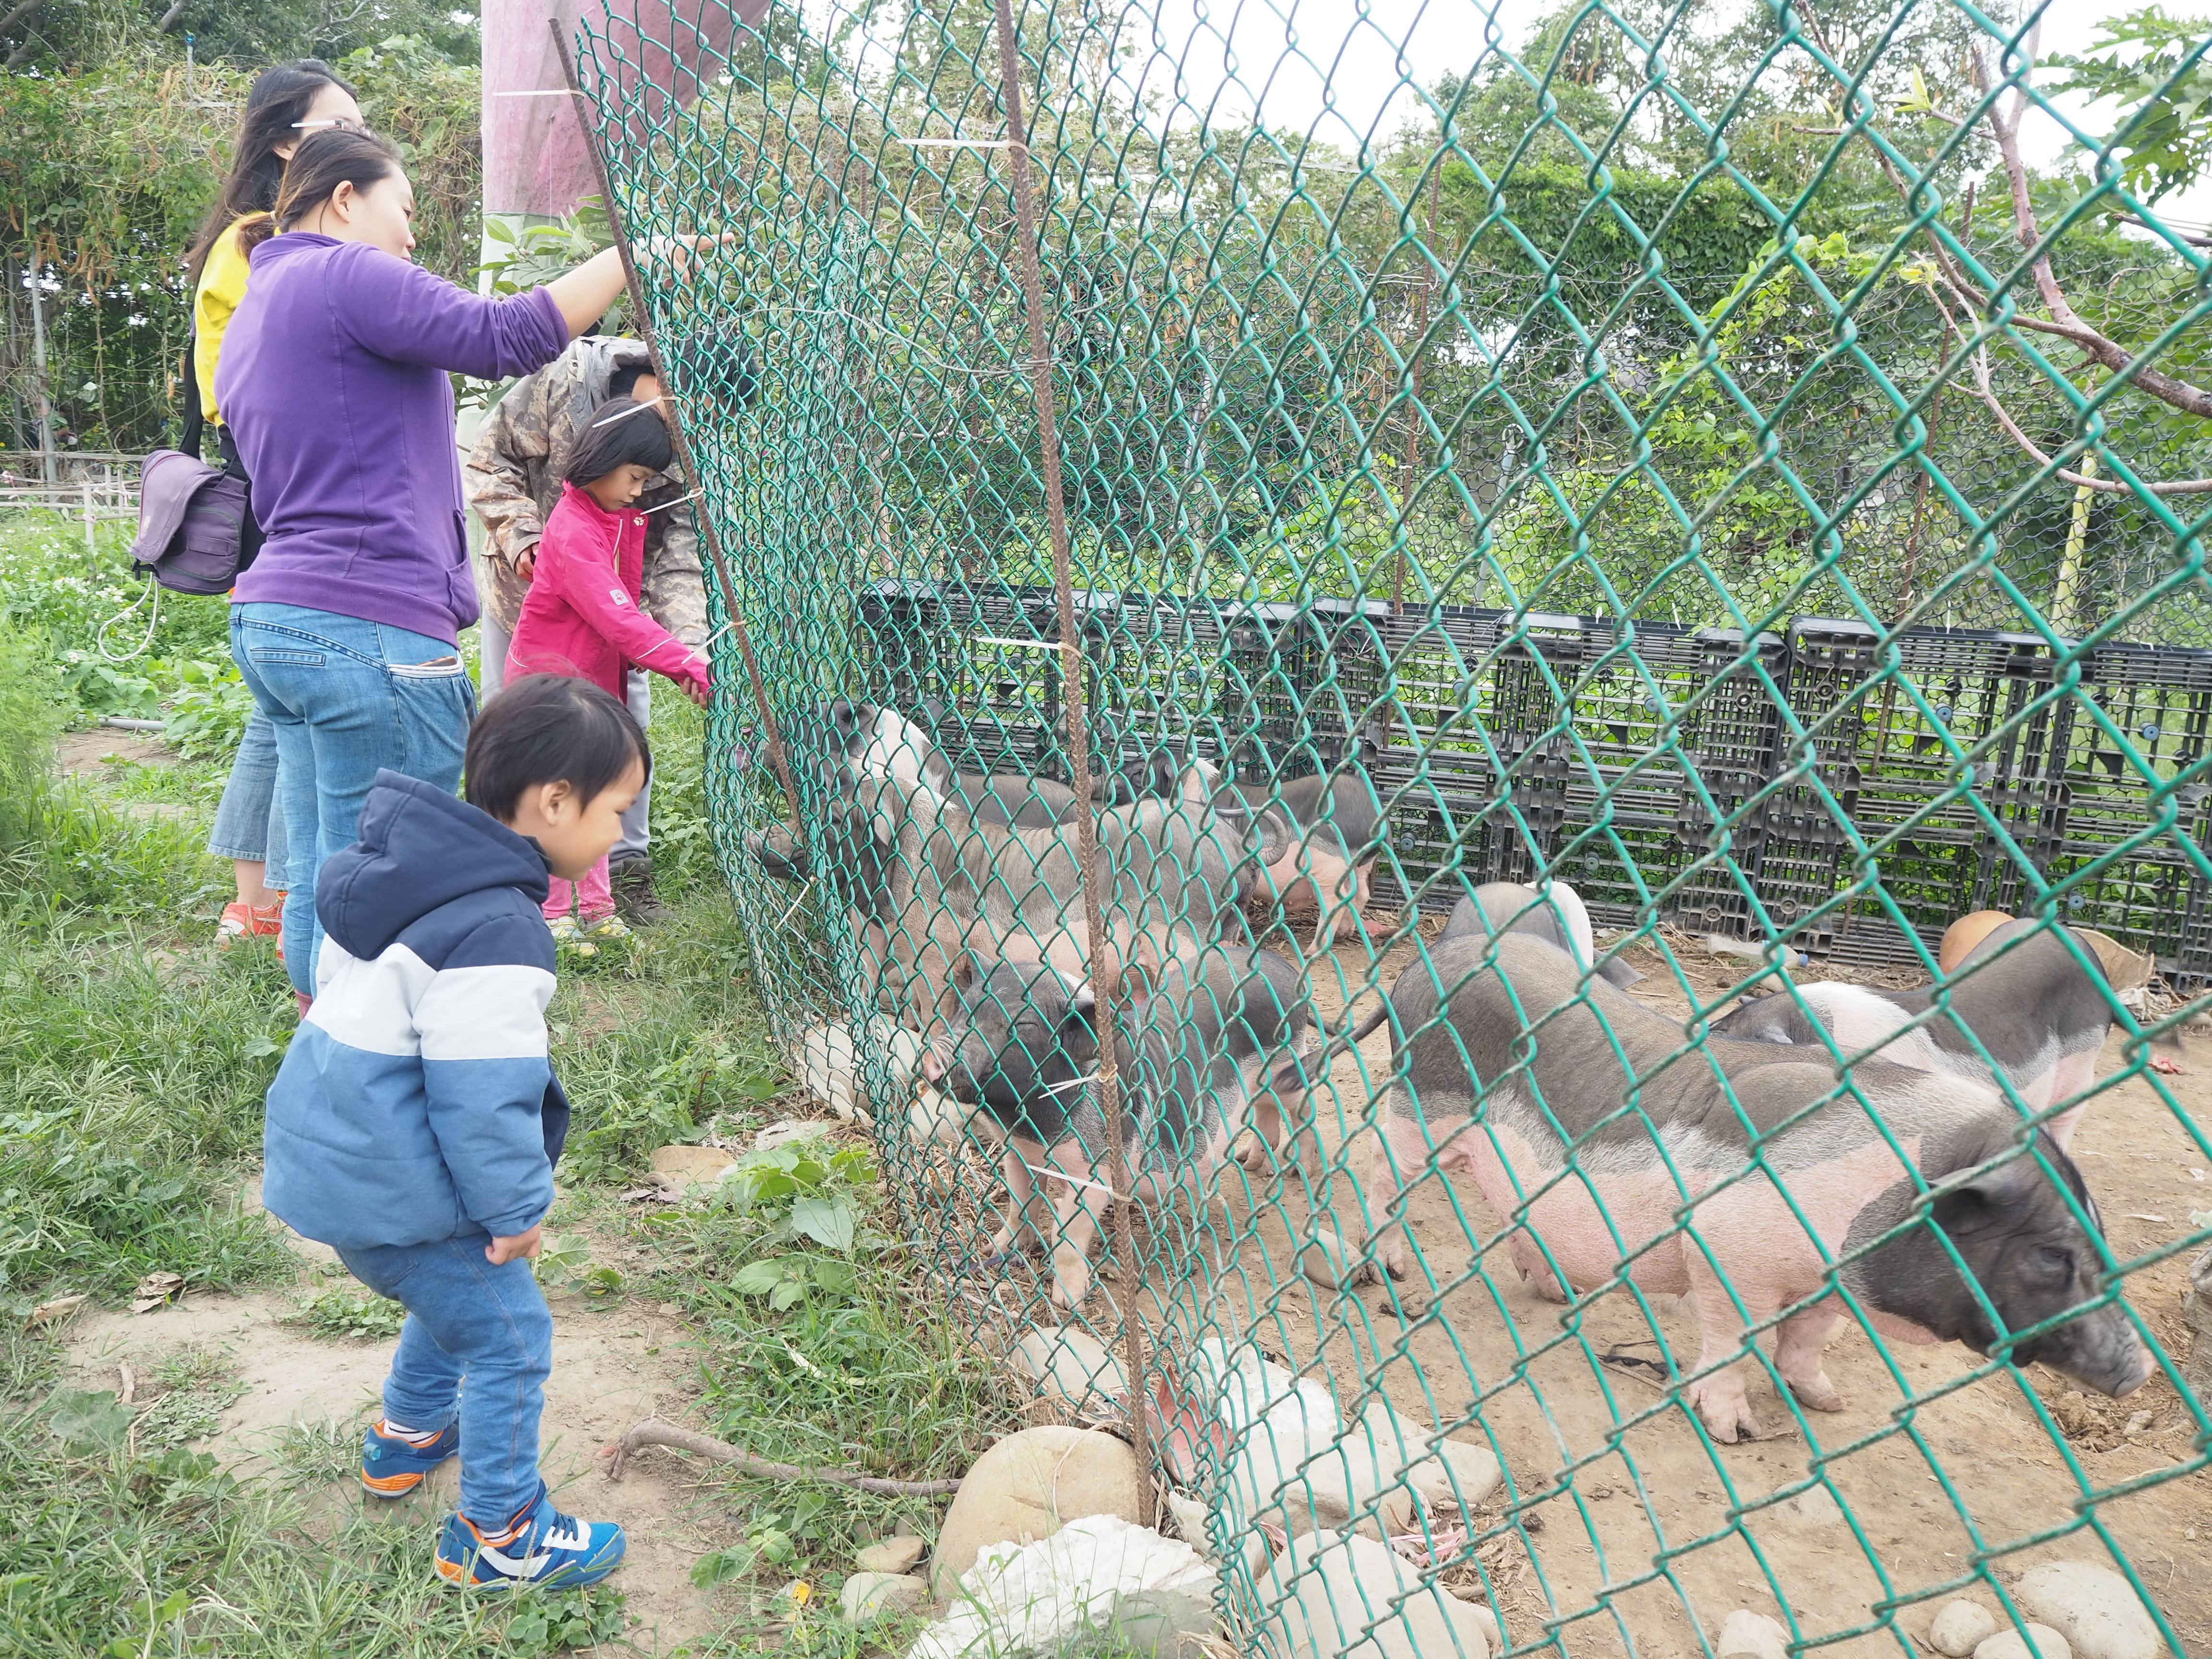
{"points": [[932, 1065], [2100, 1350]]}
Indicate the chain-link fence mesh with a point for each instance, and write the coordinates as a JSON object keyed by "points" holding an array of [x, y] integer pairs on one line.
{"points": [[1648, 493]]}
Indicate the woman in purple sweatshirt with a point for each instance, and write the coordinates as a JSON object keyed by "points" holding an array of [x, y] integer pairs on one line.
{"points": [[334, 382]]}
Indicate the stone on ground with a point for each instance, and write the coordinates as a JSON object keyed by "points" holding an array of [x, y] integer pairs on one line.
{"points": [[1961, 1626], [789, 1130], [1026, 1488], [1340, 1597], [2093, 1607], [691, 1166], [1069, 1365], [1327, 1262], [1748, 1635], [1099, 1573], [891, 1555], [868, 1596], [2041, 1642]]}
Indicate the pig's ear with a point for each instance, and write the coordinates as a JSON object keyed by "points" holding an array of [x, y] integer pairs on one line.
{"points": [[1083, 1003], [965, 969], [1994, 1197], [844, 717]]}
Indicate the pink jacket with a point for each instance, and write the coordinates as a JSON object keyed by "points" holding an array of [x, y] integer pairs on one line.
{"points": [[580, 618]]}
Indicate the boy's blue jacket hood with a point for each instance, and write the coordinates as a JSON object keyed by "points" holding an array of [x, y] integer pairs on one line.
{"points": [[417, 1102], [420, 848]]}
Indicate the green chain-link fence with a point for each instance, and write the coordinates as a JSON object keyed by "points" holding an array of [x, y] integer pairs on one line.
{"points": [[1739, 476]]}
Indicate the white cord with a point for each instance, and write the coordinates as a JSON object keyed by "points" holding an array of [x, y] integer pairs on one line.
{"points": [[153, 618]]}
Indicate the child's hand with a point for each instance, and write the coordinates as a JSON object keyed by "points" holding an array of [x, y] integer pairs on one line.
{"points": [[500, 1251], [697, 690]]}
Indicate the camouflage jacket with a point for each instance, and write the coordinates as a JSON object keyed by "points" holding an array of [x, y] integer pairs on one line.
{"points": [[514, 478]]}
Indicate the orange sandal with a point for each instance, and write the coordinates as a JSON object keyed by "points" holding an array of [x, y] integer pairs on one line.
{"points": [[241, 920]]}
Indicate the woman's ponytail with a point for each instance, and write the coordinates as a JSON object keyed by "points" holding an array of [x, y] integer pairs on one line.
{"points": [[254, 230]]}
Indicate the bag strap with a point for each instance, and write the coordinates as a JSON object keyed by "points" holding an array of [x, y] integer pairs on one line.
{"points": [[189, 441]]}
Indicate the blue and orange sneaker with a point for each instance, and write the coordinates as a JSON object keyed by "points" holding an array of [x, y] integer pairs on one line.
{"points": [[393, 1465], [541, 1547]]}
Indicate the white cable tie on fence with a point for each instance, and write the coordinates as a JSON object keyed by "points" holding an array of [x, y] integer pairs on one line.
{"points": [[1072, 1083], [1051, 1173], [795, 903], [957, 143], [627, 413], [1014, 645]]}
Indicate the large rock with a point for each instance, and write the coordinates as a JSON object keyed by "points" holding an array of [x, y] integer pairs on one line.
{"points": [[2041, 1642], [868, 1596], [1443, 1473], [2092, 1606], [1095, 1574], [1069, 1365], [1748, 1635], [1961, 1626], [1348, 1597], [1026, 1488]]}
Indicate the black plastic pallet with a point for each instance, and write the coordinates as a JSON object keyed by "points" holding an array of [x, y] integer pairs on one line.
{"points": [[1766, 788]]}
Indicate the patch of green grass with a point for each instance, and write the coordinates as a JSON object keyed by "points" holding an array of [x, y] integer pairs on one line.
{"points": [[343, 1315], [312, 1455], [104, 1554], [49, 588], [191, 1388]]}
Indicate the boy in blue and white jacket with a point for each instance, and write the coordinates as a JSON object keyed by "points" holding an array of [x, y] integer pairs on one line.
{"points": [[415, 1122]]}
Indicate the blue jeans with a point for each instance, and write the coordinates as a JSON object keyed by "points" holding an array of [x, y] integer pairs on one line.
{"points": [[467, 1319], [347, 697], [249, 824]]}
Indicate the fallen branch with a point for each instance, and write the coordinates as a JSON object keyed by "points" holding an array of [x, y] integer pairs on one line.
{"points": [[654, 1432]]}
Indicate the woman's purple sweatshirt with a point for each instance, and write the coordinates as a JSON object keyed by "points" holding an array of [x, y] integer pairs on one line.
{"points": [[333, 382]]}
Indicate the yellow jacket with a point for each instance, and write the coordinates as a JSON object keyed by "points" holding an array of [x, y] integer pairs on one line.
{"points": [[223, 285]]}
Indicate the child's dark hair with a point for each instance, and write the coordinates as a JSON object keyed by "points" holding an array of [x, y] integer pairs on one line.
{"points": [[622, 382], [620, 430], [549, 728]]}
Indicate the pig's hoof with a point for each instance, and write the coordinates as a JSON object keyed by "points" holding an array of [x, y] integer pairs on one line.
{"points": [[1817, 1392], [1724, 1411]]}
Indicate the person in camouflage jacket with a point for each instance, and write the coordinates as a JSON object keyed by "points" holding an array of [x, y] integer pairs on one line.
{"points": [[514, 478]]}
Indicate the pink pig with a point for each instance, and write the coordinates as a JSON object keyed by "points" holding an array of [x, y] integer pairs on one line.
{"points": [[1591, 1163]]}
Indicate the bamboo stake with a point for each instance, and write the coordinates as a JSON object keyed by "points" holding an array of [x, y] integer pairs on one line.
{"points": [[777, 756], [1078, 739]]}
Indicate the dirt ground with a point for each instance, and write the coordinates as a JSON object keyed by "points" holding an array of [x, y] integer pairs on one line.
{"points": [[611, 1367], [1635, 1538], [1637, 1528]]}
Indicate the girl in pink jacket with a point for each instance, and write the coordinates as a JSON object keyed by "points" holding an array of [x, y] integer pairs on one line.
{"points": [[580, 618]]}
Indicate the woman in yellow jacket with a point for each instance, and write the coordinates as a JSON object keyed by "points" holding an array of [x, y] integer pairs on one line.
{"points": [[288, 102]]}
